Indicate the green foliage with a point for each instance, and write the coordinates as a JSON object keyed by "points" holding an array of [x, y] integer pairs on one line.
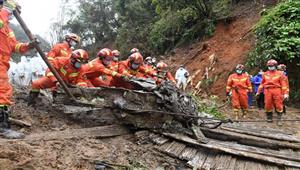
{"points": [[208, 106], [278, 35]]}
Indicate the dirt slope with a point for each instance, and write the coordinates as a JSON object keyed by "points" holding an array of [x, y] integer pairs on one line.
{"points": [[230, 45]]}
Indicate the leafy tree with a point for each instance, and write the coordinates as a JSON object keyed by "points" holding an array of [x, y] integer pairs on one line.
{"points": [[94, 21], [277, 35]]}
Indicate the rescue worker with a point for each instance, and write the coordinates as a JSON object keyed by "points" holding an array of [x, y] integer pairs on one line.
{"points": [[163, 72], [275, 89], [133, 67], [134, 50], [239, 85], [102, 71], [70, 70], [64, 49], [181, 77], [8, 45], [116, 54], [282, 68], [256, 80]]}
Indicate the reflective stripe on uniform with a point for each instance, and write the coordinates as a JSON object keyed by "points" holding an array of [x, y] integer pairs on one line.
{"points": [[64, 52], [35, 90], [63, 71], [114, 73], [81, 83], [50, 58], [73, 75], [17, 48], [11, 34], [1, 23]]}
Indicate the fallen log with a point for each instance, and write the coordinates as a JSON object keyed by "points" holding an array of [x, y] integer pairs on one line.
{"points": [[20, 122], [276, 136], [241, 150], [248, 140], [95, 132]]}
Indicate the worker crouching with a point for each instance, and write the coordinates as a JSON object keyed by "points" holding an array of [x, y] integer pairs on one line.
{"points": [[163, 73], [239, 85], [70, 70]]}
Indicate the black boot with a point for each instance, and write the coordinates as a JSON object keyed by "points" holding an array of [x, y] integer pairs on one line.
{"points": [[269, 117], [279, 121], [33, 95], [5, 130]]}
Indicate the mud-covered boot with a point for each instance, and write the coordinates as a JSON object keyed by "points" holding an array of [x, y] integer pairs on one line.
{"points": [[279, 117], [32, 99], [198, 134], [269, 117], [5, 130], [245, 113], [236, 114]]}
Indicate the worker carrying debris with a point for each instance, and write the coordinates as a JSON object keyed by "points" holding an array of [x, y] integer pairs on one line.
{"points": [[103, 71], [134, 67], [238, 86], [8, 45], [64, 49], [70, 70], [163, 73], [181, 77], [276, 89]]}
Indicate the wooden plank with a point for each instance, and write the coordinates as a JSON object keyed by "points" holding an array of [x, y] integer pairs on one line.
{"points": [[239, 165], [198, 160], [176, 149], [223, 162], [232, 163], [216, 145], [95, 132], [248, 140], [188, 153], [282, 137], [209, 161]]}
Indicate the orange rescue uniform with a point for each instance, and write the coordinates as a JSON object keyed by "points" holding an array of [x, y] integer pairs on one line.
{"points": [[68, 73], [59, 50], [166, 76], [141, 72], [101, 75], [240, 85], [8, 44], [275, 86]]}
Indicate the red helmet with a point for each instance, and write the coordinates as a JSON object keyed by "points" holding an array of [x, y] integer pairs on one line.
{"points": [[80, 55], [134, 50], [240, 67], [281, 67], [161, 66], [105, 53], [272, 63], [136, 58], [116, 53], [72, 36]]}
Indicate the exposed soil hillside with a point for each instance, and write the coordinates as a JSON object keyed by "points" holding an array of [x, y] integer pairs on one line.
{"points": [[230, 45]]}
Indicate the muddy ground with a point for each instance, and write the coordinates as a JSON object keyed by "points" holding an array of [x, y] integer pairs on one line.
{"points": [[78, 153]]}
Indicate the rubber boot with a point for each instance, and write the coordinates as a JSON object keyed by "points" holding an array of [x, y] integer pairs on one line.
{"points": [[5, 130], [245, 113], [279, 121], [269, 117], [32, 99], [236, 114]]}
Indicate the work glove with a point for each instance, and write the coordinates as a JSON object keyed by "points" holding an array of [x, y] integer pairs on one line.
{"points": [[126, 78], [33, 43], [285, 97]]}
